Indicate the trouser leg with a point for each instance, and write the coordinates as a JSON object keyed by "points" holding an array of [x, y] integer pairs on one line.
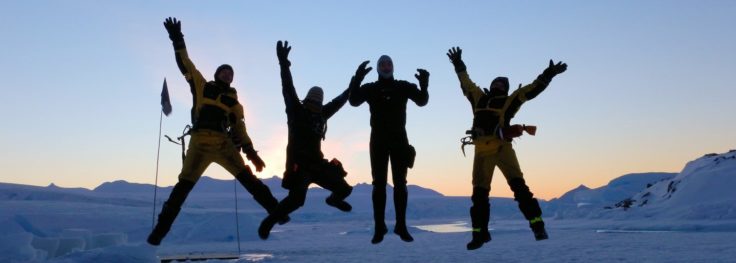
{"points": [[170, 211], [529, 206], [291, 203]]}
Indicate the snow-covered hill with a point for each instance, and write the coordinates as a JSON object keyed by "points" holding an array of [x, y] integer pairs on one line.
{"points": [[704, 189]]}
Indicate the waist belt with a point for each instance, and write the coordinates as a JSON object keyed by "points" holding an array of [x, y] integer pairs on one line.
{"points": [[212, 126]]}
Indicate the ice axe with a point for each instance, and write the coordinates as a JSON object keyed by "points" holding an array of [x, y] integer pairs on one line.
{"points": [[182, 141]]}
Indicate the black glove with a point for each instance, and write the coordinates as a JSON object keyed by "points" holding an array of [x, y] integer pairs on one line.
{"points": [[455, 55], [173, 26], [423, 78], [554, 69], [252, 155], [282, 52], [362, 71]]}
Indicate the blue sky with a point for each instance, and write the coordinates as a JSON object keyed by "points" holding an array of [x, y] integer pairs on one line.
{"points": [[648, 86]]}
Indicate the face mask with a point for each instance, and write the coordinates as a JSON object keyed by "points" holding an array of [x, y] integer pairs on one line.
{"points": [[387, 71]]}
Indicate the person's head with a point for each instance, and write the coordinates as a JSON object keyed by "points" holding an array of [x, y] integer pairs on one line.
{"points": [[313, 100], [499, 86], [385, 67], [224, 74]]}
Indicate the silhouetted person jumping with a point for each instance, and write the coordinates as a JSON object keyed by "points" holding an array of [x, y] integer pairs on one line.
{"points": [[305, 163], [218, 135], [387, 98], [492, 134]]}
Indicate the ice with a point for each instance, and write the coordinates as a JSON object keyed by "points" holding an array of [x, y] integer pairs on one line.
{"points": [[695, 222], [46, 244]]}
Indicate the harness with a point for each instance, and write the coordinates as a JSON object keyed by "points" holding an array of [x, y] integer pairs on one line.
{"points": [[213, 109]]}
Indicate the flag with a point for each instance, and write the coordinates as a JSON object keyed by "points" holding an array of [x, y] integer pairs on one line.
{"points": [[165, 102]]}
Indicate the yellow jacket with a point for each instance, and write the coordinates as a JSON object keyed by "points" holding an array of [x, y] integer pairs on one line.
{"points": [[213, 105]]}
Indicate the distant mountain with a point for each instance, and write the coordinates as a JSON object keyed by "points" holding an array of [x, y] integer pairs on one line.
{"points": [[211, 185], [616, 190], [121, 186], [702, 190]]}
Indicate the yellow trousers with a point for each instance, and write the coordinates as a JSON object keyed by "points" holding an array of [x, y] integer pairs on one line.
{"points": [[489, 153], [207, 147]]}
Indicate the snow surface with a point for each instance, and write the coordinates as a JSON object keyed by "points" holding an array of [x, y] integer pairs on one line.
{"points": [[685, 217]]}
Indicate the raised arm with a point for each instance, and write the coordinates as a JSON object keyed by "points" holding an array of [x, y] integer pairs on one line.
{"points": [[291, 99], [187, 68], [469, 88], [528, 92], [357, 93], [335, 104], [420, 96], [532, 90]]}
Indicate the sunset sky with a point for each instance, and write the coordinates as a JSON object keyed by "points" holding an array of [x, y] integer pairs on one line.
{"points": [[649, 84]]}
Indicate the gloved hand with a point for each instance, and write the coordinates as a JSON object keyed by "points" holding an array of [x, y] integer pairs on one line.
{"points": [[282, 52], [554, 69], [423, 78], [455, 55], [362, 71], [173, 26], [252, 155]]}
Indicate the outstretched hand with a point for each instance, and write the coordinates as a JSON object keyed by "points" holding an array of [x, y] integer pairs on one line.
{"points": [[252, 155], [423, 78], [362, 70], [282, 52], [556, 68], [173, 27], [455, 54]]}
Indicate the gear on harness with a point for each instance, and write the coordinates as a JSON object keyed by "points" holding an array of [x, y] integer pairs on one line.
{"points": [[182, 141], [514, 131]]}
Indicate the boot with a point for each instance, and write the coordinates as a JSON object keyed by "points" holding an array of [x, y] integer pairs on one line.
{"points": [[400, 202], [529, 206], [170, 210], [378, 233], [266, 225], [337, 199], [479, 216], [339, 204], [260, 193], [537, 226], [379, 211]]}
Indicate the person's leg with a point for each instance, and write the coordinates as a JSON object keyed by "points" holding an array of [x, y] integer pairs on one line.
{"points": [[291, 203], [379, 171], [229, 158], [529, 206], [484, 162], [398, 175], [196, 161], [332, 178]]}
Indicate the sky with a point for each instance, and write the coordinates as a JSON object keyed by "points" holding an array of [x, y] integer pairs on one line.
{"points": [[648, 86]]}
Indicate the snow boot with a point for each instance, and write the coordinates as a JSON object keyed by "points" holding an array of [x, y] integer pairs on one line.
{"points": [[529, 206], [170, 210], [378, 233], [403, 233], [400, 202], [266, 225], [379, 212], [479, 216], [537, 226], [339, 204]]}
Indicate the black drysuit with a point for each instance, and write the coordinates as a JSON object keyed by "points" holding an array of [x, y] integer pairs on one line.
{"points": [[387, 100], [305, 163]]}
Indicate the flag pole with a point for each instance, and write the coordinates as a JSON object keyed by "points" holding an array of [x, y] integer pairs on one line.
{"points": [[237, 223], [155, 184], [165, 109]]}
